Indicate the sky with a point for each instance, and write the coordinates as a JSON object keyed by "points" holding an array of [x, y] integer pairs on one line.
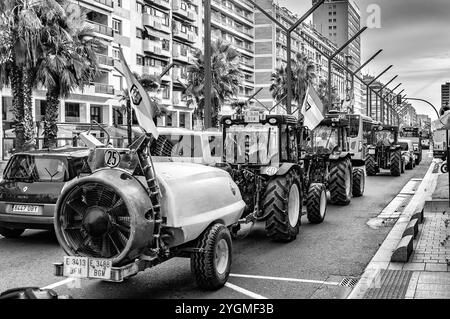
{"points": [[415, 38]]}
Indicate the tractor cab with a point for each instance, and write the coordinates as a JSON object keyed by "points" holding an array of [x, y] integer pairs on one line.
{"points": [[254, 140], [385, 135]]}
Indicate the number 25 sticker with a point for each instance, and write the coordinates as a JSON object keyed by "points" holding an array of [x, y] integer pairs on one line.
{"points": [[112, 158]]}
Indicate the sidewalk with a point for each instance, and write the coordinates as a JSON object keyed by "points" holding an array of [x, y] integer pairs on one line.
{"points": [[426, 275]]}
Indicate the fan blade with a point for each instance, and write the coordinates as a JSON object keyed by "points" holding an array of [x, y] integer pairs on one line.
{"points": [[114, 243], [75, 225], [78, 207], [122, 228]]}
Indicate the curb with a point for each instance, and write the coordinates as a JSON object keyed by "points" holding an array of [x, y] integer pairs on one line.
{"points": [[395, 238]]}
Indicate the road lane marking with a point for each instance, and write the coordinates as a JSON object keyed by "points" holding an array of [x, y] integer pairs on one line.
{"points": [[287, 279], [59, 283], [244, 291]]}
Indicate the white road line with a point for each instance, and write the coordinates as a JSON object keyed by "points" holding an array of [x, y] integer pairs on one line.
{"points": [[59, 283], [244, 291], [287, 279]]}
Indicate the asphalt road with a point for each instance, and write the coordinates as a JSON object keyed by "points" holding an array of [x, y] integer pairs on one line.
{"points": [[322, 256]]}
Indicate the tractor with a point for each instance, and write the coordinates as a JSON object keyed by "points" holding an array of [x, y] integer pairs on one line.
{"points": [[327, 160], [385, 152], [262, 154]]}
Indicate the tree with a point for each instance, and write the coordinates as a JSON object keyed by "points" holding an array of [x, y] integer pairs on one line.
{"points": [[69, 61], [303, 75], [22, 25], [322, 91], [226, 78]]}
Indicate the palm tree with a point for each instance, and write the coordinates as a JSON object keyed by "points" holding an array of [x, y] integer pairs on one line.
{"points": [[322, 91], [303, 75], [226, 78], [22, 21], [69, 61]]}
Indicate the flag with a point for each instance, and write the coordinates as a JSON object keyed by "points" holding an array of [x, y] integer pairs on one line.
{"points": [[140, 101], [312, 109]]}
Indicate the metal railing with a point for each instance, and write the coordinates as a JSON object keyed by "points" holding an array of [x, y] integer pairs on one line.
{"points": [[103, 88], [105, 60], [108, 3], [101, 28]]}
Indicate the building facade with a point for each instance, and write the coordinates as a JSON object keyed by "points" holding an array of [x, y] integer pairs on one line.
{"points": [[271, 50], [376, 107], [445, 94], [339, 21]]}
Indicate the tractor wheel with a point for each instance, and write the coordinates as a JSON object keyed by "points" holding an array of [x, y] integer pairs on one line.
{"points": [[211, 265], [282, 203], [316, 203], [370, 166], [341, 182], [11, 232], [359, 182], [396, 163]]}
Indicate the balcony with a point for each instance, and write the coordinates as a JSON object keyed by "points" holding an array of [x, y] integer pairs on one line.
{"points": [[103, 4], [186, 36], [177, 99], [233, 13], [162, 4], [101, 29], [104, 60], [184, 13], [180, 54], [155, 23], [152, 47], [103, 88], [178, 76]]}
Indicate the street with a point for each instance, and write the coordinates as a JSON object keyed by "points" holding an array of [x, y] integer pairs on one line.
{"points": [[312, 266]]}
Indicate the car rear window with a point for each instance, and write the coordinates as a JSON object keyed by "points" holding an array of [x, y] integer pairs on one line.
{"points": [[37, 169]]}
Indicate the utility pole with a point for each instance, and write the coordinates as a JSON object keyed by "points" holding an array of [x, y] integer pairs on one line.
{"points": [[207, 67]]}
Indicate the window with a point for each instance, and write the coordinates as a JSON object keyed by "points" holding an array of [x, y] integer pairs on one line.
{"points": [[72, 112], [96, 114], [165, 92], [119, 3], [165, 20], [182, 120], [183, 28], [139, 7], [117, 26], [43, 107], [165, 44], [115, 53], [139, 59]]}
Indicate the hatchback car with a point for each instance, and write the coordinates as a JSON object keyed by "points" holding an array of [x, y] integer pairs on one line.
{"points": [[408, 153], [32, 182]]}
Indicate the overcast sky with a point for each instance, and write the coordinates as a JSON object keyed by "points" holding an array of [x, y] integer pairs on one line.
{"points": [[415, 37]]}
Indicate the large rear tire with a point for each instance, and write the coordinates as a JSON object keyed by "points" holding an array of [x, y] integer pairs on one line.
{"points": [[316, 203], [211, 266], [359, 182], [396, 163], [282, 203], [341, 182], [11, 232], [370, 165]]}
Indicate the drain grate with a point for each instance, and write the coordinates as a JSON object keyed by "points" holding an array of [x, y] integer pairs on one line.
{"points": [[348, 282]]}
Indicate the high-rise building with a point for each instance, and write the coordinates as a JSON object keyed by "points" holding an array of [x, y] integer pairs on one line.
{"points": [[271, 50], [339, 21], [445, 94]]}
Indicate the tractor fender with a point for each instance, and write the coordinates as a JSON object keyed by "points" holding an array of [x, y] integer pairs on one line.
{"points": [[395, 147], [286, 167], [340, 156]]}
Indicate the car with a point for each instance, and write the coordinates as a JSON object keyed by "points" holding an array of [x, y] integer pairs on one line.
{"points": [[184, 145], [31, 184], [408, 153]]}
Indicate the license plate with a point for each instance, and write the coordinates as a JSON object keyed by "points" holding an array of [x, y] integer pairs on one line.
{"points": [[251, 117], [371, 152], [84, 267], [26, 209]]}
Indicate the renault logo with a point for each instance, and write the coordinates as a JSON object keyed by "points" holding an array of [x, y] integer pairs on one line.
{"points": [[25, 189]]}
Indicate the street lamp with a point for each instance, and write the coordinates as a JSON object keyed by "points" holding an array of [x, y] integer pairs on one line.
{"points": [[207, 64]]}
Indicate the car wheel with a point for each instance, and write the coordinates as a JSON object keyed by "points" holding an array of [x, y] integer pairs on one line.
{"points": [[11, 232]]}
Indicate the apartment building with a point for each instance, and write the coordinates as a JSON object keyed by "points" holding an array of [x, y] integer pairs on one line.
{"points": [[445, 94], [408, 115], [339, 21], [271, 49]]}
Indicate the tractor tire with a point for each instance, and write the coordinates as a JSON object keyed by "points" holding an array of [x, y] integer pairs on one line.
{"points": [[396, 163], [370, 166], [444, 168], [282, 203], [11, 232], [341, 183], [316, 203], [359, 182], [211, 265]]}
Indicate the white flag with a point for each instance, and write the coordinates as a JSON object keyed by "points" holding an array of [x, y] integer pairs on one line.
{"points": [[312, 109], [140, 101]]}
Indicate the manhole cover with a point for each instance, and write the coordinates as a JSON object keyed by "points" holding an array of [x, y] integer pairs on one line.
{"points": [[348, 282]]}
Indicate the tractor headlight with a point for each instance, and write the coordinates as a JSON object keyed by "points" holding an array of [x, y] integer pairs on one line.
{"points": [[269, 170]]}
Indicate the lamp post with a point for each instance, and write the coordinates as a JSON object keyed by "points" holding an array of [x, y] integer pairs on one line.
{"points": [[207, 64], [288, 45]]}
